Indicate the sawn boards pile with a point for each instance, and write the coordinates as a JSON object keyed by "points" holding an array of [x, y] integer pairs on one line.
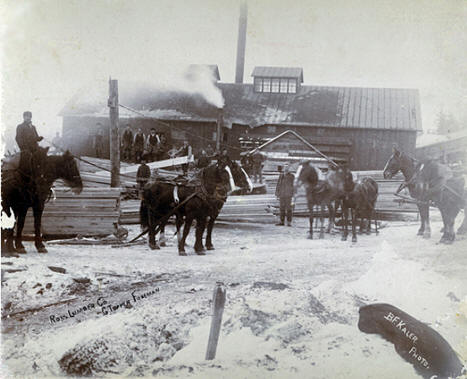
{"points": [[94, 212]]}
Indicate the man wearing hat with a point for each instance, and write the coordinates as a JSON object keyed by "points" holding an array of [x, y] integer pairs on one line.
{"points": [[27, 140], [26, 134], [285, 192]]}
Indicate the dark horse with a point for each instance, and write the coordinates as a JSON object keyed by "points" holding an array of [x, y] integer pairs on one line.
{"points": [[321, 192], [211, 189], [21, 190], [360, 197], [429, 182]]}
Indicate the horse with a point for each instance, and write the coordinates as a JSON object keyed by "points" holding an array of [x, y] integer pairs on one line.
{"points": [[360, 197], [22, 189], [429, 181], [240, 179], [320, 192], [159, 199], [445, 191]]}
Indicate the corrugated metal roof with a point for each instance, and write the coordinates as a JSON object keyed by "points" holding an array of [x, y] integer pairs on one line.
{"points": [[342, 107], [278, 72]]}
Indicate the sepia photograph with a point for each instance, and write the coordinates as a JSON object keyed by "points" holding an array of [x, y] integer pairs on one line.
{"points": [[233, 189]]}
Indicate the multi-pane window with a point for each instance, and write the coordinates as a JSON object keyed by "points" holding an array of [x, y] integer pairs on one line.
{"points": [[292, 85], [258, 85], [275, 85]]}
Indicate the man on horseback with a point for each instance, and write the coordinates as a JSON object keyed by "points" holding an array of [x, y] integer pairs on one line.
{"points": [[27, 140]]}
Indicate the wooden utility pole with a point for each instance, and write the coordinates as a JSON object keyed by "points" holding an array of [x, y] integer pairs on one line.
{"points": [[218, 302], [114, 138]]}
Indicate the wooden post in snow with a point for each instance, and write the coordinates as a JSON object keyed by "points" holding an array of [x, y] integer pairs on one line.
{"points": [[218, 302], [114, 138]]}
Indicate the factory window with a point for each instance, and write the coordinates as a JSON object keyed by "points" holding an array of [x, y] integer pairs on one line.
{"points": [[292, 85], [275, 85], [258, 85]]}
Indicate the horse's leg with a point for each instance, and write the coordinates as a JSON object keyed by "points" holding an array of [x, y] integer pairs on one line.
{"points": [[210, 226], [332, 214], [186, 231], [463, 228], [19, 230], [310, 209], [353, 213], [37, 211], [152, 230], [345, 215], [427, 233], [321, 218], [162, 239], [178, 224], [421, 230], [445, 236], [200, 226]]}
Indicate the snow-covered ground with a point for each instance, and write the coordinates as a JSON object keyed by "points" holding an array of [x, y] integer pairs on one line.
{"points": [[291, 309]]}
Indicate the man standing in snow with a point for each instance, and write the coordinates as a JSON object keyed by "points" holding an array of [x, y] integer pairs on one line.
{"points": [[285, 192]]}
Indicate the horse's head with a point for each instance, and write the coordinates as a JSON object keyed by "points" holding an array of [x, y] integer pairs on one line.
{"points": [[68, 171], [239, 176], [398, 162], [344, 174], [306, 174]]}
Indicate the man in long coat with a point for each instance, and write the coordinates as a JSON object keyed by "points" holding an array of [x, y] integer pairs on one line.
{"points": [[27, 140], [285, 192], [127, 142], [138, 145]]}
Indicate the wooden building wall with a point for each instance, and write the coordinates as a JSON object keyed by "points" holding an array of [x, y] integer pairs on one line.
{"points": [[79, 132], [370, 148]]}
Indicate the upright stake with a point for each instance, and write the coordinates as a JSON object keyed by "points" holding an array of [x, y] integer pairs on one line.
{"points": [[114, 139], [218, 302]]}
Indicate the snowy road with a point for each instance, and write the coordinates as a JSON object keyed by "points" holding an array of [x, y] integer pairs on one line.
{"points": [[291, 310]]}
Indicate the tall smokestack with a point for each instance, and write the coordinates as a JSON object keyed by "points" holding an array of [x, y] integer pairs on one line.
{"points": [[241, 43]]}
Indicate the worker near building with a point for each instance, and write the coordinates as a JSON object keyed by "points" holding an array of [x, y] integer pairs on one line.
{"points": [[127, 143], [152, 145], [185, 151], [57, 143], [203, 160], [257, 163], [143, 174], [99, 141], [138, 145], [285, 192], [245, 161]]}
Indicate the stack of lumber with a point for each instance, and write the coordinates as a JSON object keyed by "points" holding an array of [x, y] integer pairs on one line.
{"points": [[260, 208], [96, 177], [94, 212]]}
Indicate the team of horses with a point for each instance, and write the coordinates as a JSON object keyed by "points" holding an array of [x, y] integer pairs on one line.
{"points": [[429, 183]]}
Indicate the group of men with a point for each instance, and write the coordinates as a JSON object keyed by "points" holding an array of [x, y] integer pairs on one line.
{"points": [[134, 146]]}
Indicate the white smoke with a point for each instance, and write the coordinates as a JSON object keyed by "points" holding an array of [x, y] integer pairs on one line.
{"points": [[200, 79]]}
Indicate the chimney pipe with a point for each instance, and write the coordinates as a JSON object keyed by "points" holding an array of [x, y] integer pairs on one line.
{"points": [[239, 68], [220, 123]]}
